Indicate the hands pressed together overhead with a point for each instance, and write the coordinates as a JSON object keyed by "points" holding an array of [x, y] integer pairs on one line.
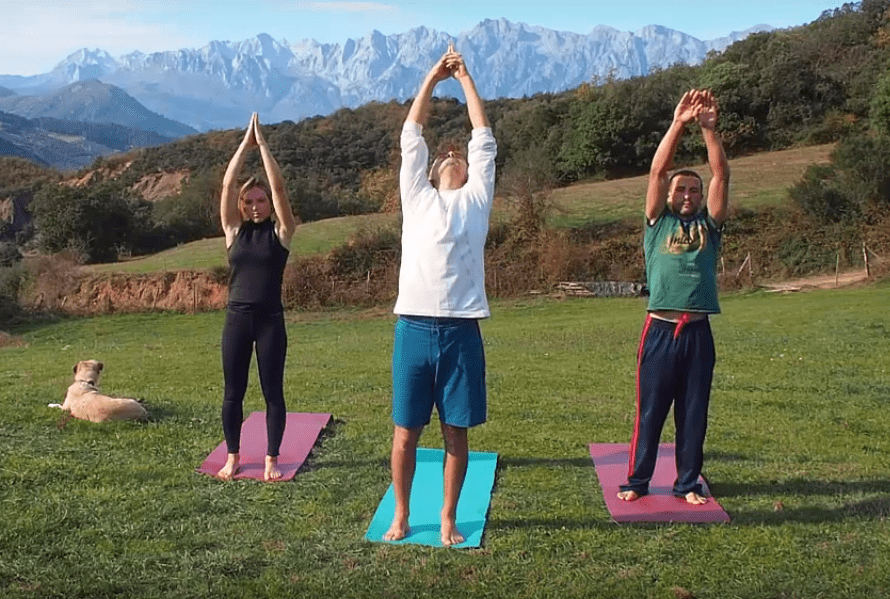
{"points": [[253, 135], [700, 105], [450, 65]]}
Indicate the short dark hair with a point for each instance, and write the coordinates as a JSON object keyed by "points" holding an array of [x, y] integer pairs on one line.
{"points": [[685, 172]]}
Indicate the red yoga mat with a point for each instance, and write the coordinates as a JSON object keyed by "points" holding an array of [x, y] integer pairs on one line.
{"points": [[659, 505], [300, 435]]}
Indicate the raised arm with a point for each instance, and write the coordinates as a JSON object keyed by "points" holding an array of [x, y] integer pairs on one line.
{"points": [[286, 222], [420, 107], [475, 107], [718, 190], [229, 212], [657, 192]]}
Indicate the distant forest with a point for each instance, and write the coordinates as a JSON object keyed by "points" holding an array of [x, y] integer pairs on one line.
{"points": [[822, 82]]}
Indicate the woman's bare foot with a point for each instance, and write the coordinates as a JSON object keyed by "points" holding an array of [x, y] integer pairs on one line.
{"points": [[450, 534], [398, 530], [272, 472], [228, 471], [628, 495], [696, 499]]}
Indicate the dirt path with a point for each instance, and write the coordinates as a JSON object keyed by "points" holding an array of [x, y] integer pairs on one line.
{"points": [[819, 282]]}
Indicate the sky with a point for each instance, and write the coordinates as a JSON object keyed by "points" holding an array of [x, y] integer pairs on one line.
{"points": [[35, 35]]}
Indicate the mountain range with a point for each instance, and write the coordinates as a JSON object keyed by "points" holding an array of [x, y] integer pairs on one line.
{"points": [[219, 85], [66, 144]]}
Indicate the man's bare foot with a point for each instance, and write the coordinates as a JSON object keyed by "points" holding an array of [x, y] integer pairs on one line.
{"points": [[398, 530], [695, 499], [628, 495], [272, 472], [450, 534], [231, 468]]}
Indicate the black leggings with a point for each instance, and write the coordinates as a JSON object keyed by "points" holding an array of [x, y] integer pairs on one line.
{"points": [[242, 330]]}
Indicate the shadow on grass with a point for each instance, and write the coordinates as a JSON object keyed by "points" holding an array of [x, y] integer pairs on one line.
{"points": [[872, 509], [160, 413], [801, 486], [783, 511], [312, 462]]}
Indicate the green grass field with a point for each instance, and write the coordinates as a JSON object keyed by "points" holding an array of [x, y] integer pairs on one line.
{"points": [[798, 454]]}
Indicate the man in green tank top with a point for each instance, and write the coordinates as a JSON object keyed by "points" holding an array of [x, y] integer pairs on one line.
{"points": [[676, 354]]}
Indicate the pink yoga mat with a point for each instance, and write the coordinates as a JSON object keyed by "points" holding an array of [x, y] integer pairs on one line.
{"points": [[300, 435], [659, 505]]}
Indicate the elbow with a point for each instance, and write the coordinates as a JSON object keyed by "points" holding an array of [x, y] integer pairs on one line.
{"points": [[229, 181], [658, 177]]}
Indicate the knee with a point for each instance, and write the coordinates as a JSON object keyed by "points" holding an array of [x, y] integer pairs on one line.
{"points": [[275, 403], [405, 439], [455, 439], [232, 398]]}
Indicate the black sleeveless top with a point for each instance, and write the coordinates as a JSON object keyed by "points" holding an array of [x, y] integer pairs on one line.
{"points": [[256, 267]]}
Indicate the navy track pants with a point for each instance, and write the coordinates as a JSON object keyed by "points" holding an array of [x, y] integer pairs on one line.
{"points": [[675, 366]]}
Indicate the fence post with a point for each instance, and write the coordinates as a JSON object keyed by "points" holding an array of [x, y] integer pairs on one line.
{"points": [[837, 267], [865, 255], [742, 267]]}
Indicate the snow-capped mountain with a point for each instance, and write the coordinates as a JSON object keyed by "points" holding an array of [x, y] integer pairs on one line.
{"points": [[219, 85]]}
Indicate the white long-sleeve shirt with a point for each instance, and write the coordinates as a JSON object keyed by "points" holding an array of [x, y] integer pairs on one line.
{"points": [[443, 232]]}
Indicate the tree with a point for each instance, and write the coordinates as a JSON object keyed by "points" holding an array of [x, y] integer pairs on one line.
{"points": [[98, 222], [879, 113]]}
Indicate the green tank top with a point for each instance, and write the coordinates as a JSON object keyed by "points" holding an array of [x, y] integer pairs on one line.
{"points": [[681, 262]]}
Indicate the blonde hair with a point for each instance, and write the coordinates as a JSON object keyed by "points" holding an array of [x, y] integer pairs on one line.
{"points": [[254, 182]]}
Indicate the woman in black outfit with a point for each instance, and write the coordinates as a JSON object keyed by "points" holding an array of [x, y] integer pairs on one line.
{"points": [[257, 248]]}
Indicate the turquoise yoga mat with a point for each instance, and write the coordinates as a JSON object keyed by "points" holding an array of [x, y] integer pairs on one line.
{"points": [[426, 501]]}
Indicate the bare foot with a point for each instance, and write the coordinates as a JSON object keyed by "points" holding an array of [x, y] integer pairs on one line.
{"points": [[231, 468], [272, 472], [398, 530], [695, 499], [628, 495], [450, 534]]}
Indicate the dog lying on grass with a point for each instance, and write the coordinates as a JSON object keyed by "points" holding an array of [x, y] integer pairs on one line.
{"points": [[86, 402]]}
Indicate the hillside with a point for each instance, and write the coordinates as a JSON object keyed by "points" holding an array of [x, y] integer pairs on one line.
{"points": [[92, 101], [311, 238], [354, 261], [67, 145], [818, 84], [758, 180]]}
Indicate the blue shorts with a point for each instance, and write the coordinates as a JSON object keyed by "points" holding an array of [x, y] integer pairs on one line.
{"points": [[438, 361]]}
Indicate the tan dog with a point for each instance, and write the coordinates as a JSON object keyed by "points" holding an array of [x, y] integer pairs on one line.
{"points": [[85, 401]]}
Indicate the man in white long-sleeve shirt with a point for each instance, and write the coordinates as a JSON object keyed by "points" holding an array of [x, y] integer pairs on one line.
{"points": [[438, 358]]}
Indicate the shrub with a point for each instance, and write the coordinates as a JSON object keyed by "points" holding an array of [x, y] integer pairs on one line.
{"points": [[366, 251], [804, 254], [9, 254], [11, 279], [98, 221], [818, 195], [857, 181]]}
